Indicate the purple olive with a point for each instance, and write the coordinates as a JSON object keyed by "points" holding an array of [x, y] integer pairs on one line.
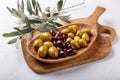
{"points": [[59, 43], [70, 52], [59, 49], [62, 54]]}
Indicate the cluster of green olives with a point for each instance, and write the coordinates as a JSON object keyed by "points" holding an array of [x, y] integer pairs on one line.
{"points": [[45, 47], [79, 38]]}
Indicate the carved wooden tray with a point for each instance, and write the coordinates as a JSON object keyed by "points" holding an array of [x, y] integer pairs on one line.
{"points": [[99, 49]]}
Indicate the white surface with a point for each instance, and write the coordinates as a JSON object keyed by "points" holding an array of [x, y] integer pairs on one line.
{"points": [[13, 66]]}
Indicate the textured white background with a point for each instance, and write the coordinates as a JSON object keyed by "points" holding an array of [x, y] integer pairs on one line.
{"points": [[13, 66]]}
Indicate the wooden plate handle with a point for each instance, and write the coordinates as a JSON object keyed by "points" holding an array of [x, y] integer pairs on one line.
{"points": [[96, 14], [108, 30]]}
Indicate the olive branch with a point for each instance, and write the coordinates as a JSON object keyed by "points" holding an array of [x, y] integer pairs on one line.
{"points": [[37, 19]]}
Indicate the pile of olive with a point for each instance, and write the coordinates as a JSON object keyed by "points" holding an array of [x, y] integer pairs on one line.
{"points": [[79, 38], [64, 48], [45, 47], [58, 44], [53, 45]]}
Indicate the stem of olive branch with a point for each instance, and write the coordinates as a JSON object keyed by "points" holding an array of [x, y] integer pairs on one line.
{"points": [[74, 5]]}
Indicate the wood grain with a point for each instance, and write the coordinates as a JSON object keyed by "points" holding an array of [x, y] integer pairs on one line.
{"points": [[99, 49]]}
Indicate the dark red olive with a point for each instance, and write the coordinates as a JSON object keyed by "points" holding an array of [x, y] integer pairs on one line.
{"points": [[59, 49], [62, 54], [70, 52], [59, 43]]}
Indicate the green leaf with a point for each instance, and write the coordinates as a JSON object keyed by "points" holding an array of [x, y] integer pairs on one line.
{"points": [[29, 7], [64, 18], [36, 9], [55, 14], [16, 28], [59, 5], [14, 11], [47, 9], [22, 5], [9, 9], [34, 3], [12, 41], [18, 5], [39, 7], [50, 26], [43, 29], [58, 24], [32, 21], [24, 31], [16, 33], [11, 34]]}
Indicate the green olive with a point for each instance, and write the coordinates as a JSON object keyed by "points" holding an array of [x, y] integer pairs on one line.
{"points": [[65, 31], [83, 43], [46, 36], [75, 44], [78, 33], [75, 26], [86, 37], [42, 51], [86, 30], [72, 29], [37, 43], [48, 44], [69, 40], [53, 52], [71, 35], [77, 38]]}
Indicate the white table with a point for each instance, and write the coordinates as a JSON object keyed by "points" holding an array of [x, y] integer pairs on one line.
{"points": [[14, 67]]}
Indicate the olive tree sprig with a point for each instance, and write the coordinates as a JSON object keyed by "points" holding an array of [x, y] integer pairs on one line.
{"points": [[35, 19]]}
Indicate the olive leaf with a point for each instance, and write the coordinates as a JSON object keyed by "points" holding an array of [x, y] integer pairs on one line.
{"points": [[34, 3], [59, 5], [17, 33], [43, 29], [22, 5], [64, 18], [58, 24], [41, 20], [39, 7], [29, 7], [50, 26], [35, 20], [14, 12], [47, 9], [13, 40]]}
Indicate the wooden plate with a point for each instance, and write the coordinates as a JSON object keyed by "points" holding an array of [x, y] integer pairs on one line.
{"points": [[89, 23], [99, 49]]}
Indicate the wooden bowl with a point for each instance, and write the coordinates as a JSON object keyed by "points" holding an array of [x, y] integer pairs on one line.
{"points": [[90, 22]]}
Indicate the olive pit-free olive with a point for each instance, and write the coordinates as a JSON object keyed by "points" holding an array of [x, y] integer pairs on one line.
{"points": [[48, 44], [69, 40], [79, 33], [65, 31], [82, 43], [77, 38], [75, 26], [46, 36], [86, 37], [86, 30], [37, 43], [75, 44], [72, 29], [53, 52], [42, 51], [70, 35]]}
